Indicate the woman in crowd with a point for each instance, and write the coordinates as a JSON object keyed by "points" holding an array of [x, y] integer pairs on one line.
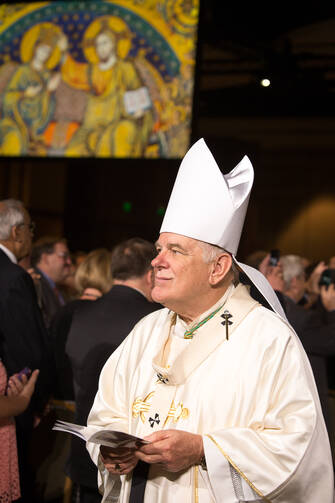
{"points": [[15, 395], [93, 278]]}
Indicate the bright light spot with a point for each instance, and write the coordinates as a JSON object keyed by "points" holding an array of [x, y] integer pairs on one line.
{"points": [[265, 82]]}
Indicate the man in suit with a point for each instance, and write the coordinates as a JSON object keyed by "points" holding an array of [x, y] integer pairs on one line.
{"points": [[23, 339], [97, 330], [51, 259]]}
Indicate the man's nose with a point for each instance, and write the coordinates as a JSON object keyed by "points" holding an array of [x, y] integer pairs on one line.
{"points": [[158, 261], [155, 261]]}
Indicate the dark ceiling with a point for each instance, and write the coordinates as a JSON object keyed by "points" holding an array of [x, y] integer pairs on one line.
{"points": [[253, 25], [240, 44]]}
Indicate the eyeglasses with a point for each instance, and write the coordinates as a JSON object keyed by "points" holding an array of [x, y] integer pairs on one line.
{"points": [[64, 255], [31, 226]]}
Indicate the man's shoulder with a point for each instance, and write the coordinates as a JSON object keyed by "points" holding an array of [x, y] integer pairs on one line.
{"points": [[268, 315], [16, 286], [114, 313], [6, 265], [10, 271], [117, 303], [265, 321]]}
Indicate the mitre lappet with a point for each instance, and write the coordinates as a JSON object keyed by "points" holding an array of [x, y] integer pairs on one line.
{"points": [[209, 206]]}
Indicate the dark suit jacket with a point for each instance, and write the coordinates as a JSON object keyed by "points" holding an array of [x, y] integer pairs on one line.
{"points": [[59, 331], [97, 330], [23, 337], [48, 301]]}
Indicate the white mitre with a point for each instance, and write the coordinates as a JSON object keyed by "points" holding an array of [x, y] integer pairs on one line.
{"points": [[211, 207]]}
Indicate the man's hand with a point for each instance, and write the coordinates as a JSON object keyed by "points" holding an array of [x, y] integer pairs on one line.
{"points": [[312, 284], [175, 450], [328, 297], [118, 461], [274, 274]]}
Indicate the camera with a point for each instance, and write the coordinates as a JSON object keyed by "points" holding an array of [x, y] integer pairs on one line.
{"points": [[26, 371], [274, 257], [327, 278]]}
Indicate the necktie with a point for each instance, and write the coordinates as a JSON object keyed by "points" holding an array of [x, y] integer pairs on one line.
{"points": [[139, 480]]}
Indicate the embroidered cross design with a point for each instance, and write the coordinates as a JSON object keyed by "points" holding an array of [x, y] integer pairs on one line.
{"points": [[141, 407], [163, 379], [177, 412], [226, 315], [155, 420]]}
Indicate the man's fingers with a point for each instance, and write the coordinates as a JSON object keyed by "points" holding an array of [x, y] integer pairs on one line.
{"points": [[150, 458], [157, 435], [111, 451], [112, 457], [118, 459], [121, 468]]}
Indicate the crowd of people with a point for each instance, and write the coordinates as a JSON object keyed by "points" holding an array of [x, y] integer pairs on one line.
{"points": [[64, 325], [49, 322]]}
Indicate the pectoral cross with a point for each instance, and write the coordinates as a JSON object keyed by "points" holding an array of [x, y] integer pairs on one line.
{"points": [[163, 379], [226, 315]]}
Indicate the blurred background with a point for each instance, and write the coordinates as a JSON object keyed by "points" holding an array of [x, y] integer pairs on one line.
{"points": [[285, 124]]}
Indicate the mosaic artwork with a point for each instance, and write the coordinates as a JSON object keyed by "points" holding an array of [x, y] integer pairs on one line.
{"points": [[98, 78]]}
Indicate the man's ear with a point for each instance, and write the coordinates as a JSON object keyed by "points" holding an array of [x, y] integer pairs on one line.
{"points": [[44, 258], [219, 268], [149, 279], [16, 233], [293, 283]]}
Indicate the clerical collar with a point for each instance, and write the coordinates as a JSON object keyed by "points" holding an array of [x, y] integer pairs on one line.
{"points": [[181, 326], [9, 254]]}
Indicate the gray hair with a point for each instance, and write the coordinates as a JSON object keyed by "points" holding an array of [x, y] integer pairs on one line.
{"points": [[293, 267], [210, 252], [11, 214]]}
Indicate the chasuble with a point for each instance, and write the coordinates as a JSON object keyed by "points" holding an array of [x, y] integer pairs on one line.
{"points": [[251, 395]]}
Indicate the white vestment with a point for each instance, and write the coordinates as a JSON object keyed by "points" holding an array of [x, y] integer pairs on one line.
{"points": [[252, 398]]}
